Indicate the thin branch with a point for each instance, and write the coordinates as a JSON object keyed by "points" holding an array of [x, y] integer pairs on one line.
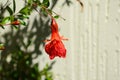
{"points": [[47, 11], [81, 4], [59, 15], [53, 12]]}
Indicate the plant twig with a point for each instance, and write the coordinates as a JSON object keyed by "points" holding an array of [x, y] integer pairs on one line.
{"points": [[53, 12], [81, 4], [59, 15], [47, 11]]}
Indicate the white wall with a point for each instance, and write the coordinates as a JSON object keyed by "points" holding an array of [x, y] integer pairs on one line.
{"points": [[93, 49]]}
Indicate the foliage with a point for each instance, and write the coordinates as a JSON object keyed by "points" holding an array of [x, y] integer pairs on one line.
{"points": [[16, 58], [20, 47]]}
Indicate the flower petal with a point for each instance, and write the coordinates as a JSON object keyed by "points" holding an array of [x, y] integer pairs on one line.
{"points": [[55, 48]]}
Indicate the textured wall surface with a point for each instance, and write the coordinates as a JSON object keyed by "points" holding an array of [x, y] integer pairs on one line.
{"points": [[93, 49]]}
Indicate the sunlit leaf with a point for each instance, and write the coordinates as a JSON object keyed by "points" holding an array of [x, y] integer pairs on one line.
{"points": [[25, 16], [25, 10], [5, 20], [22, 16], [2, 47], [12, 18], [57, 16], [29, 1], [22, 22]]}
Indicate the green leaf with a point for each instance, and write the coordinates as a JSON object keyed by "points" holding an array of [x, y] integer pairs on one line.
{"points": [[2, 47], [22, 22], [14, 6], [22, 16], [57, 16], [25, 16], [29, 1], [15, 26], [5, 20], [9, 10], [1, 44], [12, 18], [25, 10], [35, 67], [46, 3]]}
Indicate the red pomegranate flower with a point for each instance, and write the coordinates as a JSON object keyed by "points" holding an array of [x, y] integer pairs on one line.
{"points": [[15, 22], [55, 47]]}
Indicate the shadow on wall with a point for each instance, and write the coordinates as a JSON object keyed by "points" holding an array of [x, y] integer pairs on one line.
{"points": [[22, 37], [16, 60], [22, 47]]}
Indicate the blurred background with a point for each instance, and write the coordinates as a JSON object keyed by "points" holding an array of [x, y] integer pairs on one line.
{"points": [[93, 48]]}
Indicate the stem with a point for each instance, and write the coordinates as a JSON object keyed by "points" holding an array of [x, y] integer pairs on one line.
{"points": [[47, 11], [81, 4], [53, 12], [59, 15]]}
